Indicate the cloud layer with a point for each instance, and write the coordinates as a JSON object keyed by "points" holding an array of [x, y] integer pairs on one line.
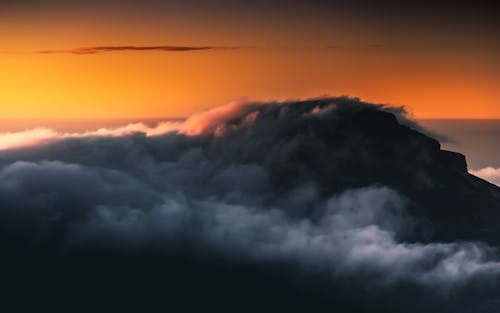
{"points": [[237, 182]]}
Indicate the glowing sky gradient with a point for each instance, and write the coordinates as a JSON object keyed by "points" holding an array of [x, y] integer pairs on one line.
{"points": [[150, 58]]}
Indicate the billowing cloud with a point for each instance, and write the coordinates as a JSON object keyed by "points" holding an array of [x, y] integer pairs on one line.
{"points": [[211, 121], [276, 183], [43, 136]]}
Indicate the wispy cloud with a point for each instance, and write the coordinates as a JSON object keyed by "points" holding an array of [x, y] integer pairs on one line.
{"points": [[174, 48], [165, 48]]}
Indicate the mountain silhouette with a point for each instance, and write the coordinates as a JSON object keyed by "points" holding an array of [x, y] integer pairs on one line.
{"points": [[353, 144]]}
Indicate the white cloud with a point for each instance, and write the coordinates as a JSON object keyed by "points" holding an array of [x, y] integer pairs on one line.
{"points": [[489, 173]]}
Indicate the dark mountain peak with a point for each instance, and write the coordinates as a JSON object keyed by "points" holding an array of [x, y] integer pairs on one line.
{"points": [[343, 143], [454, 160]]}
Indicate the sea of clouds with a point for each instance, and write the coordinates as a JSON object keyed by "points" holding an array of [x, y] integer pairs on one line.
{"points": [[223, 182]]}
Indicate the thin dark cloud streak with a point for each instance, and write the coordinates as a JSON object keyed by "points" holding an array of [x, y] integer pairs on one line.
{"points": [[164, 48], [173, 48]]}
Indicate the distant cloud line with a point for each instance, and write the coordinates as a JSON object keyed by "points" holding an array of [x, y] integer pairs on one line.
{"points": [[102, 49], [173, 48]]}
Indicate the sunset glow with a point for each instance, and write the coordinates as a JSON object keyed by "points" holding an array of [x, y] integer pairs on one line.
{"points": [[258, 56]]}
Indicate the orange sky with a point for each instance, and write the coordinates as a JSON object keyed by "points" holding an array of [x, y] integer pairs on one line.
{"points": [[441, 80]]}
